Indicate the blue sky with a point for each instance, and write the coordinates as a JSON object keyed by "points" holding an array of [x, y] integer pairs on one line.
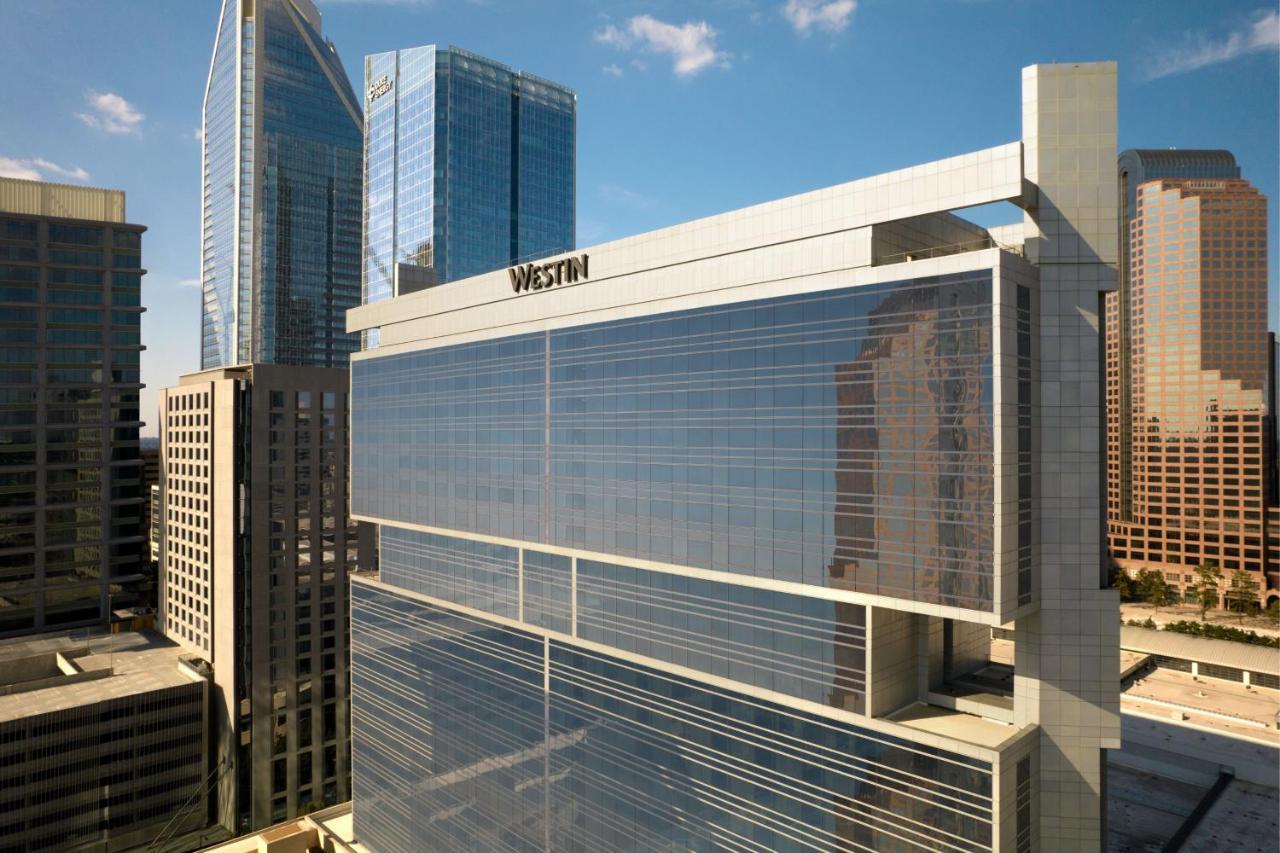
{"points": [[684, 108]]}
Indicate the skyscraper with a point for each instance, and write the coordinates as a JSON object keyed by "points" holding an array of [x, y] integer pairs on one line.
{"points": [[256, 551], [280, 234], [469, 167], [1136, 167], [696, 539], [71, 545], [1188, 367]]}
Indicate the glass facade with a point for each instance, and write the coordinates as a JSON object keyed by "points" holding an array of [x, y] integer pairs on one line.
{"points": [[469, 166], [839, 439], [218, 233], [463, 571], [282, 192], [71, 543], [806, 647], [534, 744]]}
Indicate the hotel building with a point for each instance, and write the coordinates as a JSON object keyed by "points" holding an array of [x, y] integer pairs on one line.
{"points": [[254, 561], [71, 496], [1188, 374], [469, 167], [696, 539]]}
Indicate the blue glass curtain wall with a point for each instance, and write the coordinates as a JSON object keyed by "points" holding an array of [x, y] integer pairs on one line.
{"points": [[839, 439], [470, 735]]}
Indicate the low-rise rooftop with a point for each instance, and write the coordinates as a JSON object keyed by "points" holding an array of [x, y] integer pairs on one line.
{"points": [[54, 672], [1211, 703], [1227, 653]]}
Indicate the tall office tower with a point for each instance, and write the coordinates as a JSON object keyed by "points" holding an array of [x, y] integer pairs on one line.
{"points": [[71, 548], [254, 566], [1187, 369], [280, 233], [697, 539], [1271, 438], [469, 167], [1136, 167]]}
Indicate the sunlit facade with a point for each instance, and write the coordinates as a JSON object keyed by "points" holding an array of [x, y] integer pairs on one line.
{"points": [[282, 173], [469, 166], [703, 550], [254, 562], [1196, 485]]}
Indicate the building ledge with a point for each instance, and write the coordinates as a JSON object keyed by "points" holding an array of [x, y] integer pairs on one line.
{"points": [[950, 723]]}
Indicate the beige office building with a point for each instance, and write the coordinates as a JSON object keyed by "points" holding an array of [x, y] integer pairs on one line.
{"points": [[1188, 376], [254, 563]]}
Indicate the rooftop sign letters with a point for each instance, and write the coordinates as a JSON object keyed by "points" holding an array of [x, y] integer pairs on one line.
{"points": [[379, 87], [543, 276]]}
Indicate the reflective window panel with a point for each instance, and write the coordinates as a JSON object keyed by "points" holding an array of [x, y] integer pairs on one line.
{"points": [[840, 439]]}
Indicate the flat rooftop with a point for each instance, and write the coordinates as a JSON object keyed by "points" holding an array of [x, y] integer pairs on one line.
{"points": [[1144, 809], [55, 672], [1226, 707], [1245, 819]]}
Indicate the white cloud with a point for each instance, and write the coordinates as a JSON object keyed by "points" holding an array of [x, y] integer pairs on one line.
{"points": [[112, 114], [613, 36], [39, 169], [198, 134], [1197, 51], [691, 46], [24, 169], [189, 282], [624, 197], [833, 16], [613, 70]]}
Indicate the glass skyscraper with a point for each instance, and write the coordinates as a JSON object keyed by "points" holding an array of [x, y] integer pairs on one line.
{"points": [[702, 547], [469, 166], [280, 238]]}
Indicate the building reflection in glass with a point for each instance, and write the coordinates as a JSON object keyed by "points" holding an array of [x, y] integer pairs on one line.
{"points": [[836, 439]]}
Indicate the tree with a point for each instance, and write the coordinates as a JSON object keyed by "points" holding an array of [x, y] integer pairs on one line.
{"points": [[1152, 587], [1208, 575], [1122, 582], [1242, 594]]}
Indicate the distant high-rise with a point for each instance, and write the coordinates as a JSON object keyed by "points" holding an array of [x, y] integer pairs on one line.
{"points": [[280, 238], [469, 167], [1188, 370], [71, 546], [1136, 166]]}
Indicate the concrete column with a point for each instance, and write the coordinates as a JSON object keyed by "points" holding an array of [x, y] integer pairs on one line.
{"points": [[1066, 659]]}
